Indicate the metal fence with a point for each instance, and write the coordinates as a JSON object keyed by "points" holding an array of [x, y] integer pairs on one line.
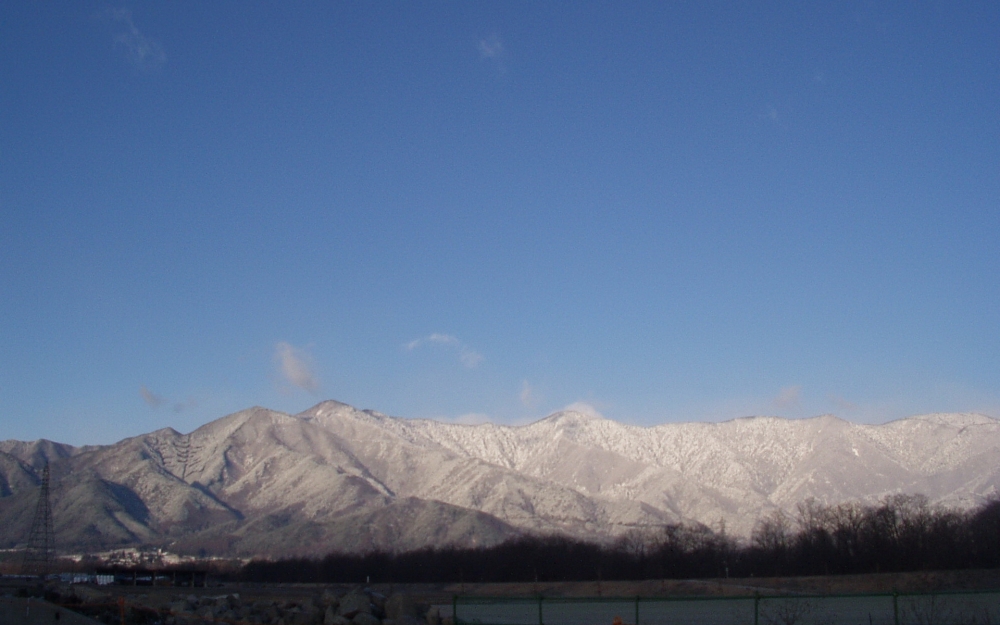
{"points": [[958, 608]]}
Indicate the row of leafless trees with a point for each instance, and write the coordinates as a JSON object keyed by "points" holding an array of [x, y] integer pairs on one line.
{"points": [[900, 533]]}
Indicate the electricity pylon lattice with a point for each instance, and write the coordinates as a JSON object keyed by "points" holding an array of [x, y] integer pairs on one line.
{"points": [[38, 555]]}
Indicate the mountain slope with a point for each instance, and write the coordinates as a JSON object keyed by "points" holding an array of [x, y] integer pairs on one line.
{"points": [[338, 478]]}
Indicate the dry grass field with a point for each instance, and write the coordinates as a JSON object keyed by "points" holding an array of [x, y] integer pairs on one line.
{"points": [[290, 595], [926, 581]]}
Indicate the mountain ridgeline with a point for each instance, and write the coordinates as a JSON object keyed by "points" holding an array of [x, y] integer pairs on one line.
{"points": [[334, 478]]}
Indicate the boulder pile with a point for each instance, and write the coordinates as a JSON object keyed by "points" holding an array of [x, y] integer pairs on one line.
{"points": [[356, 607]]}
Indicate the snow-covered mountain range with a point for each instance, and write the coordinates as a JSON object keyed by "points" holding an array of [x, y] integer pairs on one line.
{"points": [[260, 482]]}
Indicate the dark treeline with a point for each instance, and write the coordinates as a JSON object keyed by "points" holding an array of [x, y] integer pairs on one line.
{"points": [[901, 533]]}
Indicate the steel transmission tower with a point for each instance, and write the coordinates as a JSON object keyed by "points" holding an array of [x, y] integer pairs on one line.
{"points": [[38, 555]]}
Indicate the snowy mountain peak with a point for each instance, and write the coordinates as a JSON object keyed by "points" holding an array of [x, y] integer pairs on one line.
{"points": [[569, 418], [335, 477], [327, 408]]}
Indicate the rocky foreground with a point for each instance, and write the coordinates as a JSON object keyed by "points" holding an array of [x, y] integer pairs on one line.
{"points": [[358, 606]]}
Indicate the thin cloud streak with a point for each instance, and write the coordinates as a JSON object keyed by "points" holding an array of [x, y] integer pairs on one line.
{"points": [[527, 395], [439, 339], [141, 51]]}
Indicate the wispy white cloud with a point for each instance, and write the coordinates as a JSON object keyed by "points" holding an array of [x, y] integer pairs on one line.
{"points": [[842, 403], [584, 408], [466, 355], [440, 339], [140, 50], [491, 47], [788, 397], [151, 398], [155, 400], [470, 358], [295, 367]]}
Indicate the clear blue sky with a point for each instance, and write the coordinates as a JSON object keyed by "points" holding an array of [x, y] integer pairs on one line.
{"points": [[668, 211]]}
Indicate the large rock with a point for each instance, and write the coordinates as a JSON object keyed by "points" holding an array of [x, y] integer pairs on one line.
{"points": [[330, 617], [378, 601], [365, 619], [399, 605], [329, 598], [270, 613], [434, 616], [178, 606], [354, 603], [302, 617]]}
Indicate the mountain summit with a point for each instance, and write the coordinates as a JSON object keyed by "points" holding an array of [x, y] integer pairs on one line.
{"points": [[261, 482]]}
